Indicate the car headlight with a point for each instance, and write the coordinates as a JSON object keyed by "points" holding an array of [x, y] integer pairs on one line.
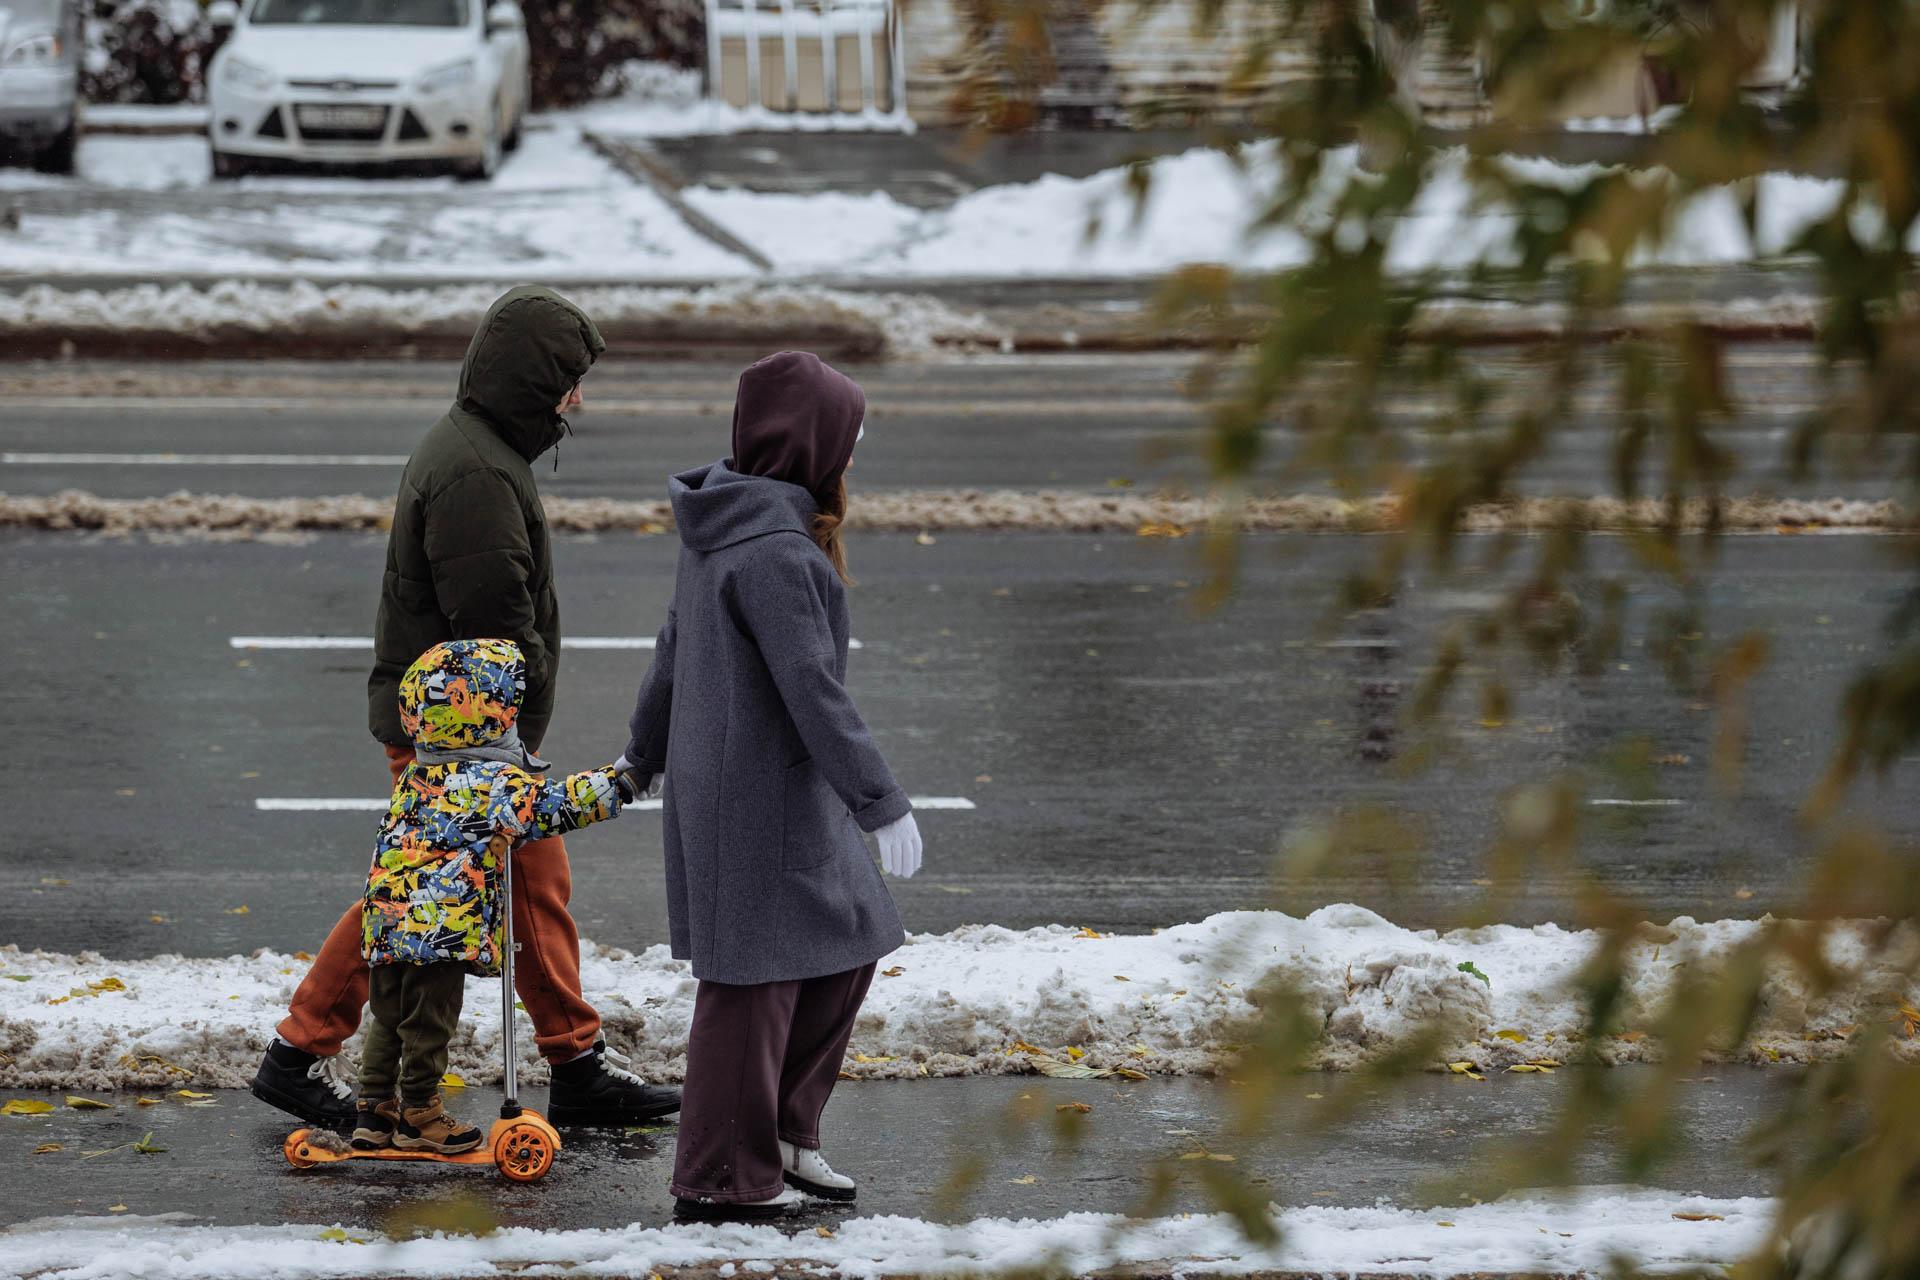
{"points": [[445, 79], [36, 49], [241, 74]]}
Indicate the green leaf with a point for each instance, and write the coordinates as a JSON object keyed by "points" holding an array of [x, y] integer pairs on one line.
{"points": [[146, 1145], [1468, 967]]}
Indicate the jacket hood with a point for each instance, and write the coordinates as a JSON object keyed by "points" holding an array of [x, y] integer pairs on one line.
{"points": [[462, 694], [524, 358], [715, 506], [795, 419]]}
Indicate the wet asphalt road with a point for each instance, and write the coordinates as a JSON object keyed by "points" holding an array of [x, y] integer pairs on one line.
{"points": [[1134, 763], [1083, 422], [1409, 1146]]}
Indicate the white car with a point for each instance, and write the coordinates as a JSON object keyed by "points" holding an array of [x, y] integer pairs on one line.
{"points": [[355, 82]]}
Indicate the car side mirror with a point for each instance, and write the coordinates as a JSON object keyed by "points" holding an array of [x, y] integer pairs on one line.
{"points": [[223, 14], [503, 16]]}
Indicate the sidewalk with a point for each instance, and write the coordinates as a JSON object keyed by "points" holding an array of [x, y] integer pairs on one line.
{"points": [[1403, 1148]]}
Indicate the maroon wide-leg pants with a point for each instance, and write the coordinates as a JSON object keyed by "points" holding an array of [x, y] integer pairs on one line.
{"points": [[761, 1062]]}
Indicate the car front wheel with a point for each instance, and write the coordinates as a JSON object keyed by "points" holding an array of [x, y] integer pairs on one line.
{"points": [[483, 166]]}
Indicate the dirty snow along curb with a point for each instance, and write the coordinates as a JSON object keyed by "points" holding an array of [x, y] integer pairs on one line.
{"points": [[1533, 1233], [221, 516], [302, 314], [967, 1001]]}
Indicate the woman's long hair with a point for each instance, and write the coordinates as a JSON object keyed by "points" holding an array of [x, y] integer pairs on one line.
{"points": [[827, 527]]}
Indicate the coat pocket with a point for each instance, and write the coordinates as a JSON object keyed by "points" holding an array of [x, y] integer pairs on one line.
{"points": [[814, 819]]}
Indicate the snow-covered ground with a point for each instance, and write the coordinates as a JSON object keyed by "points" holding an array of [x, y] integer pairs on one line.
{"points": [[989, 999], [1583, 1232], [559, 210], [1201, 208], [556, 209]]}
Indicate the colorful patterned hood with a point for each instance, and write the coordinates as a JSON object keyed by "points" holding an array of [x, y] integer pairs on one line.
{"points": [[463, 693]]}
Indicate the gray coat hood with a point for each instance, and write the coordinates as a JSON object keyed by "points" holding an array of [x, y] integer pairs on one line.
{"points": [[715, 506]]}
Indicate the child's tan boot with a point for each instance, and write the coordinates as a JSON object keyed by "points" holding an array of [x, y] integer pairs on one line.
{"points": [[374, 1123], [428, 1127]]}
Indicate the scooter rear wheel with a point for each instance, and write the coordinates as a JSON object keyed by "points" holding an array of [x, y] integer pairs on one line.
{"points": [[523, 1152]]}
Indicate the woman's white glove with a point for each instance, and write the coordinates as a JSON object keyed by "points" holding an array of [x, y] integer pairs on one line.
{"points": [[900, 847]]}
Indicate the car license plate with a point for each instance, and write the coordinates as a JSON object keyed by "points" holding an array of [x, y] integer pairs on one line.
{"points": [[341, 117]]}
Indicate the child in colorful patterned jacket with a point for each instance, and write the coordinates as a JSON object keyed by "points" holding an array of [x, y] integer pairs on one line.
{"points": [[433, 901]]}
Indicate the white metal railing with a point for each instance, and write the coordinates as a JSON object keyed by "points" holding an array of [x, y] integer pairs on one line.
{"points": [[815, 26]]}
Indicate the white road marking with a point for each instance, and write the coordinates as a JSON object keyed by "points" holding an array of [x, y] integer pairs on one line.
{"points": [[1637, 804], [366, 642], [204, 459], [369, 804]]}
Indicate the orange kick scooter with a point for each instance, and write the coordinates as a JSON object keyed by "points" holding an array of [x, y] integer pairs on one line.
{"points": [[521, 1145]]}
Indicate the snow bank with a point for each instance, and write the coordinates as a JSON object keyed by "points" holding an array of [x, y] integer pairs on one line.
{"points": [[1580, 1232], [300, 311], [981, 998], [229, 517], [1203, 206]]}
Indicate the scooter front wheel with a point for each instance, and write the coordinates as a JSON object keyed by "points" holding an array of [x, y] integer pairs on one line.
{"points": [[523, 1152], [297, 1152]]}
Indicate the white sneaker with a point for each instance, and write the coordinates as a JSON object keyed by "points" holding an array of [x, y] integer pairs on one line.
{"points": [[807, 1170]]}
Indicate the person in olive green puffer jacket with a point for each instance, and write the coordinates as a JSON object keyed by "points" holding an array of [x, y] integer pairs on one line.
{"points": [[468, 558]]}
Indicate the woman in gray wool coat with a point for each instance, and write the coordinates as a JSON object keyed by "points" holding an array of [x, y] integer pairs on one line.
{"points": [[771, 776]]}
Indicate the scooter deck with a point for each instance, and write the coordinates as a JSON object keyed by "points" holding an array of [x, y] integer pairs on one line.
{"points": [[523, 1148], [312, 1153]]}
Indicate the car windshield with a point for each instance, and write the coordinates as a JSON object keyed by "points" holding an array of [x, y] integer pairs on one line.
{"points": [[359, 13]]}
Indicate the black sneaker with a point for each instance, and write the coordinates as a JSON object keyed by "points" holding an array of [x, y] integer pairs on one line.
{"points": [[598, 1088], [305, 1085]]}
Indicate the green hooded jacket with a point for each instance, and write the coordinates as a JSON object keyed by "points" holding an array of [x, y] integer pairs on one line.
{"points": [[468, 557]]}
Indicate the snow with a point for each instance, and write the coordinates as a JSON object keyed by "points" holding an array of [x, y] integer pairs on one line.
{"points": [[1202, 206], [559, 209], [973, 1000], [741, 311], [1531, 1232], [556, 209], [140, 115]]}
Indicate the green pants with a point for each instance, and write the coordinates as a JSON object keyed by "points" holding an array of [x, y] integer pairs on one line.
{"points": [[416, 1009]]}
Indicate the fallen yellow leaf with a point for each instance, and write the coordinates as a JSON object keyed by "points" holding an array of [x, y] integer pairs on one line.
{"points": [[25, 1107], [240, 910], [452, 1080], [48, 1148], [1518, 1037], [825, 1233], [149, 1102], [894, 972], [116, 1208], [87, 1104], [861, 1057], [1089, 933], [1079, 1107], [191, 1096], [1699, 1217]]}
